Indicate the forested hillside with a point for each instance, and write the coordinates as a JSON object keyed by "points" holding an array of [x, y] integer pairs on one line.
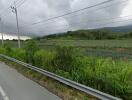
{"points": [[100, 34]]}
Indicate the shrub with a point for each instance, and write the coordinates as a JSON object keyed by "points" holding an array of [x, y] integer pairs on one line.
{"points": [[2, 51], [8, 49], [19, 54], [30, 48], [108, 75], [44, 59], [105, 74], [65, 58]]}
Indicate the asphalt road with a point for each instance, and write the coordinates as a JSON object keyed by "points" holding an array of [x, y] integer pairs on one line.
{"points": [[17, 87], [1, 97]]}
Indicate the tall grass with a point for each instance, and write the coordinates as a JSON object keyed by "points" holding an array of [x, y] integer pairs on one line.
{"points": [[105, 74]]}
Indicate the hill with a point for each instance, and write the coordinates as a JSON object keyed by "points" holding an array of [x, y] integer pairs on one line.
{"points": [[127, 28], [121, 32]]}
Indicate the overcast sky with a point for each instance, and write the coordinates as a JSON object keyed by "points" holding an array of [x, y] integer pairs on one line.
{"points": [[33, 11]]}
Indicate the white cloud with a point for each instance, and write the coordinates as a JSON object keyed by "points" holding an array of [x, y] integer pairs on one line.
{"points": [[128, 9], [11, 37]]}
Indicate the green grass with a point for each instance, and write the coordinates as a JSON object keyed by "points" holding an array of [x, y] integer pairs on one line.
{"points": [[81, 43], [104, 48], [112, 76], [61, 90]]}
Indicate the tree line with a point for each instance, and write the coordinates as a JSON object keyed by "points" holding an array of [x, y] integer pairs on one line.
{"points": [[99, 34]]}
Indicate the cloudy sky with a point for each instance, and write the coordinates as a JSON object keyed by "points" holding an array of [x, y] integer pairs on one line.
{"points": [[114, 13]]}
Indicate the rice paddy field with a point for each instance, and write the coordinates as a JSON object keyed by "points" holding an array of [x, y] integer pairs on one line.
{"points": [[81, 43], [89, 43], [97, 48]]}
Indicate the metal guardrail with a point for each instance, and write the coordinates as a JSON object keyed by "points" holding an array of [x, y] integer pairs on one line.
{"points": [[83, 88]]}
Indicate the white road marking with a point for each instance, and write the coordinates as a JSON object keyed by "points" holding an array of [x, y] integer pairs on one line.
{"points": [[3, 94]]}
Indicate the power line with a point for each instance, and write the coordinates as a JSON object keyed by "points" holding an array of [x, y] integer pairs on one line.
{"points": [[80, 23], [114, 22], [21, 3], [99, 20], [4, 11], [8, 8], [64, 30], [14, 7], [97, 25], [14, 10], [93, 11], [69, 13]]}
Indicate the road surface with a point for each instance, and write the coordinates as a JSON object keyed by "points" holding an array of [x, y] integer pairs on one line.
{"points": [[18, 87], [1, 98]]}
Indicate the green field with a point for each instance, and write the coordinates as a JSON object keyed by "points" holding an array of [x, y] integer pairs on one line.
{"points": [[103, 48], [89, 43], [82, 61], [81, 43], [99, 59]]}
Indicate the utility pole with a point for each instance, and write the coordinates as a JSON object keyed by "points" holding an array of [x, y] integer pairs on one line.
{"points": [[1, 32], [14, 10]]}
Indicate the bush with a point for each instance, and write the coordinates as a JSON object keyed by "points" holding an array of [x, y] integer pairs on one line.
{"points": [[105, 74], [108, 75], [30, 49], [2, 51], [44, 59], [65, 59], [19, 54], [8, 49]]}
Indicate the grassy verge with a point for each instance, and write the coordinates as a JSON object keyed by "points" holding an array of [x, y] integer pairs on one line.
{"points": [[61, 90]]}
